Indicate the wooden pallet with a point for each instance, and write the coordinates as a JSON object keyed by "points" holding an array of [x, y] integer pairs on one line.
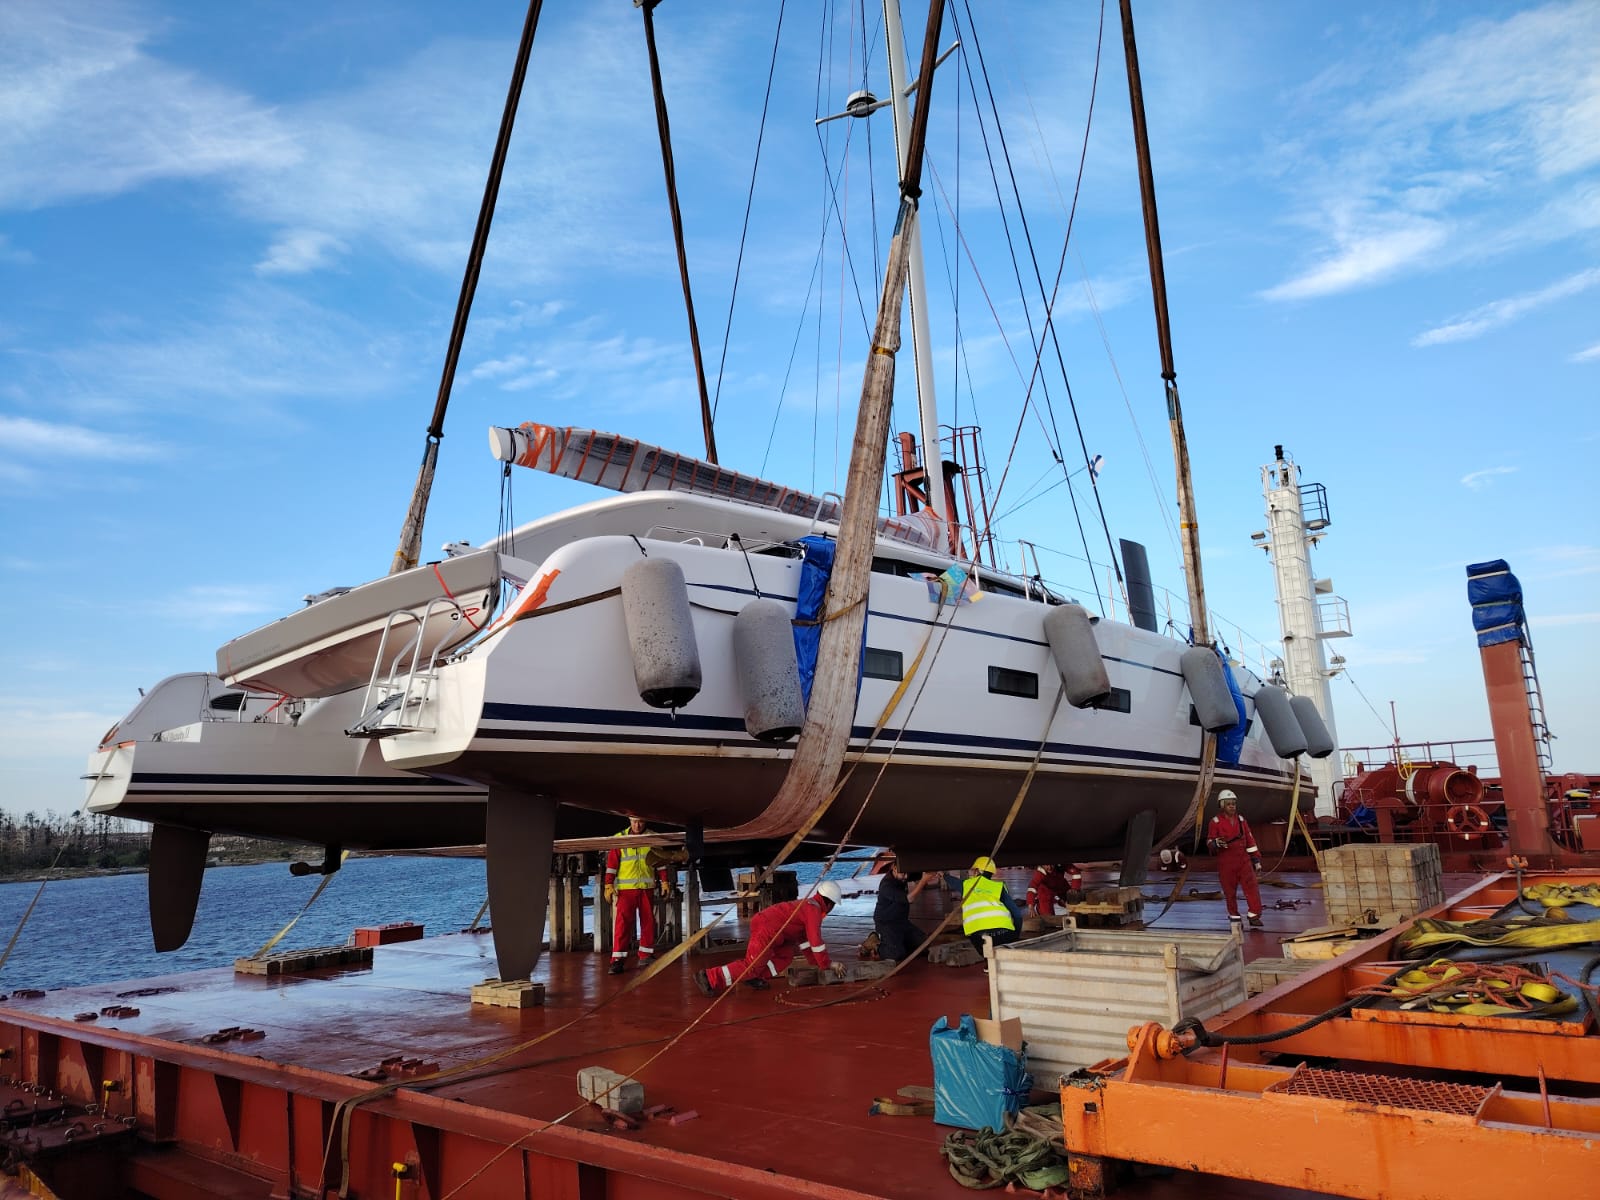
{"points": [[289, 962]]}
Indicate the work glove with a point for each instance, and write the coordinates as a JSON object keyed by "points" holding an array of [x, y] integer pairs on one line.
{"points": [[610, 891], [665, 888], [836, 970], [1219, 844], [1256, 863]]}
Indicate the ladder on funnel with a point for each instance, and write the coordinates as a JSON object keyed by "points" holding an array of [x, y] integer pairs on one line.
{"points": [[1530, 681]]}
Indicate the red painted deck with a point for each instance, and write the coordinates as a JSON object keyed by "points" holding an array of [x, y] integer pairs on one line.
{"points": [[782, 1089]]}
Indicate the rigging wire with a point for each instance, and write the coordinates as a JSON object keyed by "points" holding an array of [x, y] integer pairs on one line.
{"points": [[1162, 504], [1050, 328], [664, 130], [1042, 149], [749, 200]]}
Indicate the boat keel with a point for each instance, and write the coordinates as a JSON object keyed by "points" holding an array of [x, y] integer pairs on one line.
{"points": [[177, 866], [520, 836]]}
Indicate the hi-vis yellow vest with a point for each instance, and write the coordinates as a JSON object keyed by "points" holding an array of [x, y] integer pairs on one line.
{"points": [[981, 907], [633, 865]]}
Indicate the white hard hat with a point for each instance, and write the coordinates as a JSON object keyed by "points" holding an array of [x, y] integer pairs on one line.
{"points": [[1225, 795], [829, 891]]}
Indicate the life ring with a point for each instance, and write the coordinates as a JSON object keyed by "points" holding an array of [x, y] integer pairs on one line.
{"points": [[1467, 820]]}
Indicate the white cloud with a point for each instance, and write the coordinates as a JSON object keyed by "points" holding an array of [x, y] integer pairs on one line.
{"points": [[209, 604], [1591, 354], [299, 251], [42, 439], [1587, 618], [1467, 145], [1478, 480], [1360, 257], [1502, 312], [86, 111]]}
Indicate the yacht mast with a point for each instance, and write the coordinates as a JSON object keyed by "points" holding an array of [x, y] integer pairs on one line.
{"points": [[922, 355]]}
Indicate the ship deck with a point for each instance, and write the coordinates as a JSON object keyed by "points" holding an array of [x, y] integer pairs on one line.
{"points": [[780, 1081]]}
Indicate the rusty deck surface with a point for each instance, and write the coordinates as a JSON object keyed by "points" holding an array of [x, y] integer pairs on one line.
{"points": [[780, 1088]]}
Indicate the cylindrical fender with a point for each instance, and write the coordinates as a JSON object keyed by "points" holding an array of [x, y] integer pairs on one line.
{"points": [[1070, 632], [1208, 689], [666, 660], [1277, 715], [769, 672], [1319, 742]]}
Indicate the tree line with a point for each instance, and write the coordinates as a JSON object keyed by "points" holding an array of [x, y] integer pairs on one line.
{"points": [[37, 842]]}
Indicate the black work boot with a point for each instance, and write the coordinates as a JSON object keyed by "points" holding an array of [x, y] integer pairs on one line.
{"points": [[617, 967]]}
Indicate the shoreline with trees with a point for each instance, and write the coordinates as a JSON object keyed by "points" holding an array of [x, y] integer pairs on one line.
{"points": [[35, 846]]}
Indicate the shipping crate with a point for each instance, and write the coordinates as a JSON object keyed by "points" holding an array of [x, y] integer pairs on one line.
{"points": [[1078, 992], [1382, 878]]}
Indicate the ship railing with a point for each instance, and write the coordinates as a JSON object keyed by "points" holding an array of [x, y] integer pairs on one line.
{"points": [[394, 702]]}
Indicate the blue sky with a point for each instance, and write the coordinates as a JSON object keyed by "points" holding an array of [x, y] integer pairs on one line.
{"points": [[231, 239]]}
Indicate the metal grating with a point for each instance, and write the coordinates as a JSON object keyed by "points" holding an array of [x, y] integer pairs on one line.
{"points": [[1422, 1094]]}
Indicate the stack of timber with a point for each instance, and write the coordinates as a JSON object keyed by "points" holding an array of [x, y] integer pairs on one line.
{"points": [[1367, 881], [1110, 908]]}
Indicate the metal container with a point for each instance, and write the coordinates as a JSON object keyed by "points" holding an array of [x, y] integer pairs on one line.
{"points": [[1079, 991]]}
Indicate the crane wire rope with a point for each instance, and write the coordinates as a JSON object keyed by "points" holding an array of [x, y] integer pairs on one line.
{"points": [[1050, 329], [749, 200]]}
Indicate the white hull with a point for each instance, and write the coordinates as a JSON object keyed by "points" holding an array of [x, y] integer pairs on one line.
{"points": [[247, 769], [547, 704]]}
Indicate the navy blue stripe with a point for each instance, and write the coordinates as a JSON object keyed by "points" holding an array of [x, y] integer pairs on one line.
{"points": [[531, 714], [330, 782]]}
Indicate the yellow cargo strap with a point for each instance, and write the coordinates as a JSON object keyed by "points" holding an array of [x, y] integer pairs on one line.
{"points": [[1562, 895], [1535, 933]]}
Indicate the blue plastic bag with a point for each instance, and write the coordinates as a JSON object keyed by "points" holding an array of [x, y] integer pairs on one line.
{"points": [[975, 1083]]}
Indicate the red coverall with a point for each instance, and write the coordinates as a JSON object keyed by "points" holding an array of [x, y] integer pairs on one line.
{"points": [[1048, 886], [634, 902], [777, 934], [1234, 863]]}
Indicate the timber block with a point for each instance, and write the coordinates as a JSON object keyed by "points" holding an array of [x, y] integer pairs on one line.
{"points": [[1324, 949], [290, 962], [509, 993], [611, 1089], [1266, 973]]}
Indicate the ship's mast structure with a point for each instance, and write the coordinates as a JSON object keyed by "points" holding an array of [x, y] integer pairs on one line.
{"points": [[1308, 611]]}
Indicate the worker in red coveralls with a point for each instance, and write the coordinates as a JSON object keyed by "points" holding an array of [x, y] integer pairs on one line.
{"points": [[777, 934], [1238, 860], [630, 885], [1052, 885]]}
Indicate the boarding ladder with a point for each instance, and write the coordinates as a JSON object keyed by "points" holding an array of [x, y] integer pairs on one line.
{"points": [[395, 700], [1530, 681]]}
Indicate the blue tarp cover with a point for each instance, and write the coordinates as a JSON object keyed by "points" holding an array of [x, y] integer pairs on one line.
{"points": [[975, 1083], [1230, 742], [815, 569], [1496, 598]]}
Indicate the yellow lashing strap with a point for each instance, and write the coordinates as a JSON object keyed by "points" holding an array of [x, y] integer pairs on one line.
{"points": [[305, 908], [1562, 895], [1535, 933]]}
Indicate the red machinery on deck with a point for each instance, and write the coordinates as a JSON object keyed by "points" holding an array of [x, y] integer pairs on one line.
{"points": [[1427, 792]]}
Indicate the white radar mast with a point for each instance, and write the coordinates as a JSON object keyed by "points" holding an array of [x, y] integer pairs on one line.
{"points": [[1308, 611]]}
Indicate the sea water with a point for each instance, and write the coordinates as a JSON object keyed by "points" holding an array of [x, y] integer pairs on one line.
{"points": [[97, 929]]}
